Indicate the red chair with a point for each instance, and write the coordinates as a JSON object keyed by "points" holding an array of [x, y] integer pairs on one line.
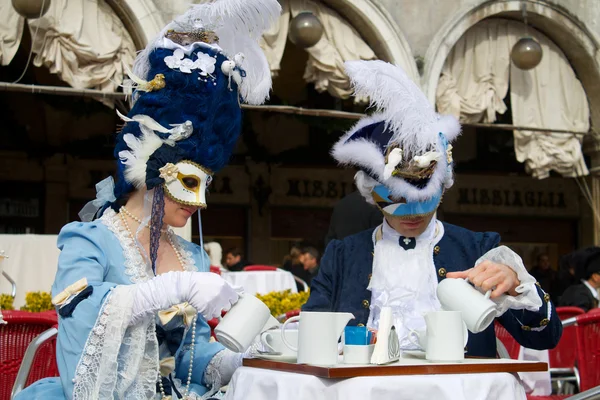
{"points": [[260, 268], [511, 345], [588, 349], [287, 315], [23, 328], [563, 356]]}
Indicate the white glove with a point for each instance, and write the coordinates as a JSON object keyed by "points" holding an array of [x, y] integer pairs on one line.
{"points": [[207, 292]]}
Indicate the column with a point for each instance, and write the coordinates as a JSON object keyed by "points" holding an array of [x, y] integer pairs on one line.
{"points": [[592, 149], [259, 229]]}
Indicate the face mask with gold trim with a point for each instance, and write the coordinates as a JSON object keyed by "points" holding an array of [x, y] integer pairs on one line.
{"points": [[186, 182], [396, 207]]}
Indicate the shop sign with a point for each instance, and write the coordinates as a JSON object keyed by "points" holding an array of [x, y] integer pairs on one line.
{"points": [[230, 186], [310, 187], [480, 194]]}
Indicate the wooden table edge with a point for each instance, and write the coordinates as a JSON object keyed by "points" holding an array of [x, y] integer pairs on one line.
{"points": [[424, 369]]}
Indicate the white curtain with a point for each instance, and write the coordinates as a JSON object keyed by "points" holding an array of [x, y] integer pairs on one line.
{"points": [[11, 31], [325, 67], [475, 80], [82, 41]]}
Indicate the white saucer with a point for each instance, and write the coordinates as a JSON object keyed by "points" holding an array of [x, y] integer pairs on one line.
{"points": [[282, 358]]}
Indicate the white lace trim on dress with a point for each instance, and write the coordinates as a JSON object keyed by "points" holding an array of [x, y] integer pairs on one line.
{"points": [[118, 361]]}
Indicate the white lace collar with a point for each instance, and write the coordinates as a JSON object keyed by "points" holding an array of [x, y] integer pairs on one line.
{"points": [[135, 266]]}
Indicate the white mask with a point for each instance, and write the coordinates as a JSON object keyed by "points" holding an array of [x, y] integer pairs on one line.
{"points": [[186, 182]]}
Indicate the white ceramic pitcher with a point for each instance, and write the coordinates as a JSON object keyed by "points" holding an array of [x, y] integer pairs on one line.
{"points": [[318, 336], [247, 318], [478, 311]]}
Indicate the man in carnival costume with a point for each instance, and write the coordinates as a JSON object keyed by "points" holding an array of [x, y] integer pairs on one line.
{"points": [[404, 155], [132, 305]]}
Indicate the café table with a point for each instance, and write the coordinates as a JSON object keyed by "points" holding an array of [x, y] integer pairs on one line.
{"points": [[249, 383], [262, 282]]}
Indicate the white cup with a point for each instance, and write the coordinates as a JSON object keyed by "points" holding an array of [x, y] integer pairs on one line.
{"points": [[358, 354], [419, 338], [273, 342], [478, 311], [445, 336], [246, 319]]}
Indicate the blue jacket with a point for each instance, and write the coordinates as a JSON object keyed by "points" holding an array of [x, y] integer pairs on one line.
{"points": [[346, 266]]}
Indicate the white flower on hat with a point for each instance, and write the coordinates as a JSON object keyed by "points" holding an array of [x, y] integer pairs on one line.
{"points": [[205, 63], [174, 61]]}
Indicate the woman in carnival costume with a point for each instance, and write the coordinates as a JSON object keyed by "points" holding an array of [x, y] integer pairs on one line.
{"points": [[404, 155], [132, 305]]}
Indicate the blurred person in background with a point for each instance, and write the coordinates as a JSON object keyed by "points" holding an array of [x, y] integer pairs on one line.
{"points": [[566, 272], [215, 254], [234, 260], [585, 294], [309, 257], [544, 274]]}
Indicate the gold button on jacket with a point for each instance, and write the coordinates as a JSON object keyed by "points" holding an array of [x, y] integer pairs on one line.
{"points": [[365, 303]]}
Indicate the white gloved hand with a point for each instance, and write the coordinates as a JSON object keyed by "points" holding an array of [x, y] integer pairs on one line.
{"points": [[207, 292]]}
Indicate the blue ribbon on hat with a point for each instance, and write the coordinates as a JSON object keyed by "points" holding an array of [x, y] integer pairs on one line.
{"points": [[105, 193]]}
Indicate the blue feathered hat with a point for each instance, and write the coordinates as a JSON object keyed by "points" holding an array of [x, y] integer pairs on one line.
{"points": [[405, 145], [188, 86]]}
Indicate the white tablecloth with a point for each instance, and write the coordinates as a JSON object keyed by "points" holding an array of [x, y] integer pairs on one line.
{"points": [[32, 262], [262, 282], [260, 384], [536, 383]]}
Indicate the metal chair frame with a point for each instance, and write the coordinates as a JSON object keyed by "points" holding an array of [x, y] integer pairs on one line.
{"points": [[28, 358], [566, 371]]}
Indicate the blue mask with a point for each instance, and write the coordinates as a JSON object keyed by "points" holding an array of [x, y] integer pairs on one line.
{"points": [[383, 199]]}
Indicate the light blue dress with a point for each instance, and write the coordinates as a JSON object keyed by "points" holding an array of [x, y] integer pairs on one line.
{"points": [[103, 252]]}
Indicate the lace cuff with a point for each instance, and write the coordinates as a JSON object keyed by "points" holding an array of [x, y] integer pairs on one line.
{"points": [[221, 368], [117, 361], [528, 297]]}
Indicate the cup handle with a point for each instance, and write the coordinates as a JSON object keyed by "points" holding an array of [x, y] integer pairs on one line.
{"points": [[283, 339], [487, 294], [411, 338], [265, 341]]}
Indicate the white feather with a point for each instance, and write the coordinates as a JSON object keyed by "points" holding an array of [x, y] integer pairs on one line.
{"points": [[239, 24], [136, 158], [405, 108]]}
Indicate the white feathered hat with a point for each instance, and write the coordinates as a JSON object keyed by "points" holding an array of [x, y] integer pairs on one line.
{"points": [[405, 144]]}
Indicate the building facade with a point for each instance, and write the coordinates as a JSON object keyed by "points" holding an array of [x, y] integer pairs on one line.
{"points": [[281, 185]]}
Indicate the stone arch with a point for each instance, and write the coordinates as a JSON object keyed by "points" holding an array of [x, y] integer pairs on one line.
{"points": [[580, 46], [141, 18], [379, 30], [143, 21]]}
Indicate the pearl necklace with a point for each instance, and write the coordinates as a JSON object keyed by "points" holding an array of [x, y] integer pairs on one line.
{"points": [[136, 219], [191, 367], [193, 342]]}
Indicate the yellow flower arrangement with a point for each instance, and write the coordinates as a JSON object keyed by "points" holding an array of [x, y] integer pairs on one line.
{"points": [[282, 302], [6, 302], [37, 302]]}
